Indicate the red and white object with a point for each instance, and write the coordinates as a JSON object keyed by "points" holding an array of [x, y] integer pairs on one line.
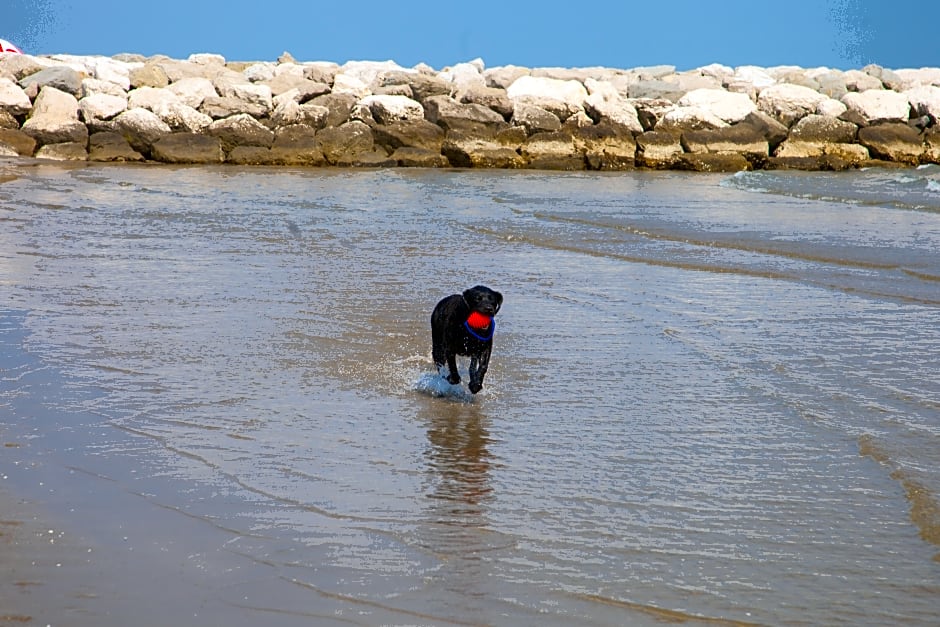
{"points": [[6, 46]]}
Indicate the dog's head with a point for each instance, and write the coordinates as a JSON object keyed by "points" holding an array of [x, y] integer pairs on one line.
{"points": [[483, 299]]}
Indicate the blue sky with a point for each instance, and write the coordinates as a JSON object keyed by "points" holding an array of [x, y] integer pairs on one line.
{"points": [[835, 33]]}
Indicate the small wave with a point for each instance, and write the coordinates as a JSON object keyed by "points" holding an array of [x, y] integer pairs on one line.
{"points": [[433, 384], [933, 186]]}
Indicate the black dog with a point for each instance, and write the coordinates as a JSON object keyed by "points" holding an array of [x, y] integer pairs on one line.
{"points": [[462, 324]]}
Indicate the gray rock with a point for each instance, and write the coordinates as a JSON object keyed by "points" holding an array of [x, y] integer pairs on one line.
{"points": [[219, 107], [452, 115], [409, 157], [296, 145], [493, 98], [345, 143], [658, 149], [607, 147], [61, 77], [66, 151], [410, 134], [22, 143], [769, 128], [188, 148], [240, 130], [893, 142], [713, 162], [339, 107], [111, 146], [535, 119], [464, 150], [655, 89], [742, 139], [823, 129], [553, 151]]}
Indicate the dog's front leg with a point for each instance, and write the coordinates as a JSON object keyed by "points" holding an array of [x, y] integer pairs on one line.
{"points": [[478, 366], [454, 377]]}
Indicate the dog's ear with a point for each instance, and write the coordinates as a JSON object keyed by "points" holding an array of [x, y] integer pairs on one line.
{"points": [[472, 296], [499, 301]]}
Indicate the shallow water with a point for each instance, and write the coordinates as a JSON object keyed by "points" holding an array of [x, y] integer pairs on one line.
{"points": [[712, 398]]}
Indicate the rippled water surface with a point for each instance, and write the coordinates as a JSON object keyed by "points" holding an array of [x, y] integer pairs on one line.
{"points": [[712, 398]]}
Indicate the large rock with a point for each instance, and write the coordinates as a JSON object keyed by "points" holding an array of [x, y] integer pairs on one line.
{"points": [[468, 151], [713, 162], [66, 151], [13, 99], [605, 104], [94, 86], [188, 148], [141, 128], [54, 119], [193, 91], [18, 66], [388, 109], [219, 107], [286, 82], [696, 118], [452, 115], [553, 151], [61, 77], [607, 146], [931, 145], [504, 76], [409, 134], [338, 105], [111, 146], [658, 149], [493, 98], [240, 130], [288, 112], [257, 97], [768, 127], [893, 142], [109, 70], [728, 106], [99, 107], [23, 144], [464, 76], [149, 98], [345, 143], [925, 100], [655, 90], [788, 103], [408, 157], [148, 75], [296, 145], [182, 118], [535, 119], [742, 139], [818, 135], [876, 106], [563, 98]]}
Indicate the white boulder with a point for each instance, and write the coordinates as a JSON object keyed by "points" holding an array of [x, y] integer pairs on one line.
{"points": [[563, 98], [348, 84], [149, 97], [729, 106], [690, 119], [193, 90], [259, 72], [604, 101], [387, 109], [182, 117], [12, 98], [465, 76], [101, 107], [925, 100], [877, 105], [831, 107], [54, 118], [788, 103]]}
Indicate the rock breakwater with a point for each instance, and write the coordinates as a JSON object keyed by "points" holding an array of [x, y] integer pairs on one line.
{"points": [[206, 109]]}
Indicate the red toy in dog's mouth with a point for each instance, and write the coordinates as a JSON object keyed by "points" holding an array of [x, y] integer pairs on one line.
{"points": [[479, 321]]}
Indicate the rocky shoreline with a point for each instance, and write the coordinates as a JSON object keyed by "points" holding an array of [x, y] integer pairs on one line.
{"points": [[208, 110]]}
